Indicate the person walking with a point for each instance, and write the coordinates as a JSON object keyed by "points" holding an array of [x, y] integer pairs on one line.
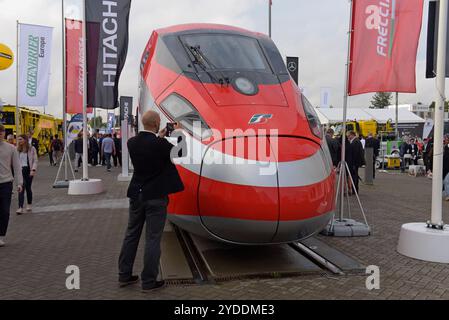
{"points": [[118, 151], [9, 163], [373, 143], [446, 168], [356, 158], [155, 178], [94, 150], [413, 151], [49, 150], [33, 141], [404, 154], [10, 139], [108, 150], [28, 161], [334, 147], [78, 151], [57, 146]]}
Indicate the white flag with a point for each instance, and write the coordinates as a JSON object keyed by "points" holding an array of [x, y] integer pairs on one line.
{"points": [[34, 64], [325, 98]]}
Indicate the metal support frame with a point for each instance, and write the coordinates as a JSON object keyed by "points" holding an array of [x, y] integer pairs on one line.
{"points": [[343, 166]]}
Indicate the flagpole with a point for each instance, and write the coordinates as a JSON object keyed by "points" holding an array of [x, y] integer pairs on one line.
{"points": [[437, 181], [85, 166], [345, 114], [18, 131], [396, 131], [64, 90], [269, 17]]}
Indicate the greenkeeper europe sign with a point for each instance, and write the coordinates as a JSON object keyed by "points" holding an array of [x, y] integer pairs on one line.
{"points": [[34, 64]]}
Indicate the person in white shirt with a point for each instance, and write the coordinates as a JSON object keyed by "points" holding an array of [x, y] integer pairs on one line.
{"points": [[9, 161], [28, 161]]}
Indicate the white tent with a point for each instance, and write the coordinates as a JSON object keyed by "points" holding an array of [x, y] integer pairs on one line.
{"points": [[385, 115], [334, 115]]}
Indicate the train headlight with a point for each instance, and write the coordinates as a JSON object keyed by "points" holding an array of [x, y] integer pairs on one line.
{"points": [[312, 118], [182, 111], [245, 86]]}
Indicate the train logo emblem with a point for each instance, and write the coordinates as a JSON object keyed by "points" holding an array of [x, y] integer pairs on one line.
{"points": [[260, 118]]}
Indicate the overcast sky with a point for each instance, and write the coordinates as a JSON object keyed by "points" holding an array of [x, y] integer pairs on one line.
{"points": [[314, 30]]}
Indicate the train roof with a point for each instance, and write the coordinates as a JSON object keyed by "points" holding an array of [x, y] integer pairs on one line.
{"points": [[195, 27]]}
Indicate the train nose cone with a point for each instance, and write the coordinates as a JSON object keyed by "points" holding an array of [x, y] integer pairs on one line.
{"points": [[261, 193]]}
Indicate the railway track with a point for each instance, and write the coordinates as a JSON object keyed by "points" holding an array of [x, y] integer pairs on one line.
{"points": [[211, 262]]}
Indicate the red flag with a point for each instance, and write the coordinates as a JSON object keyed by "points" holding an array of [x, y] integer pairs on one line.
{"points": [[74, 67], [384, 45]]}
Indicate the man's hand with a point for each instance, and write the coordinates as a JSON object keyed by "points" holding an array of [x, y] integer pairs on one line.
{"points": [[163, 133], [33, 173], [19, 189]]}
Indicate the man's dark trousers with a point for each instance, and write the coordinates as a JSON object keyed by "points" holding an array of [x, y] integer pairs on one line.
{"points": [[5, 205], [154, 214]]}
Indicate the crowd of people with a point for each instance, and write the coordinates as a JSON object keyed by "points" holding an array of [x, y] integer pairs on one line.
{"points": [[103, 150]]}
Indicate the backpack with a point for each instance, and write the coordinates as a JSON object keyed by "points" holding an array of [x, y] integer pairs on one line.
{"points": [[56, 145]]}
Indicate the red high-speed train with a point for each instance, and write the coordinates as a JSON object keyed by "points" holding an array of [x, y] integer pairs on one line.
{"points": [[257, 169]]}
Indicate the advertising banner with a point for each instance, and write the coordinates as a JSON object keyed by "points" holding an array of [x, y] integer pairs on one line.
{"points": [[74, 66], [325, 101], [34, 64], [107, 47], [74, 128], [384, 45]]}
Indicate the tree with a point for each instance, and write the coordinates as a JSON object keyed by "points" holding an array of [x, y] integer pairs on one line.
{"points": [[446, 106], [97, 123], [381, 100]]}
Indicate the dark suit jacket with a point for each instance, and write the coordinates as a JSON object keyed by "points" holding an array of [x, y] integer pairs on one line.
{"points": [[356, 155], [35, 144], [335, 150], [374, 144], [155, 176]]}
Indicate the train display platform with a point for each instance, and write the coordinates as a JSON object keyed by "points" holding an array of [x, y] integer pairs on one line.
{"points": [[87, 232]]}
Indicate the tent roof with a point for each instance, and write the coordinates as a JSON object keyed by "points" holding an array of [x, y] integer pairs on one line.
{"points": [[380, 115]]}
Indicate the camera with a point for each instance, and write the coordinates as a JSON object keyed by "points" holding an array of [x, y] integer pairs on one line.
{"points": [[170, 128]]}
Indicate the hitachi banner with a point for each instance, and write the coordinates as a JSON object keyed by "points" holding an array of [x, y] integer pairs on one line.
{"points": [[384, 45], [107, 47], [34, 64]]}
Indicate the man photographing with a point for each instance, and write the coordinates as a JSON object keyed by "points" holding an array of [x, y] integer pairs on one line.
{"points": [[155, 177], [9, 161]]}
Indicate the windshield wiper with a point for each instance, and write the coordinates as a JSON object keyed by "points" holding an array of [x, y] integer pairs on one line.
{"points": [[200, 58]]}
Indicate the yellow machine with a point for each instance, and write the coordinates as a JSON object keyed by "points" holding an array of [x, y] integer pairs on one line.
{"points": [[43, 125], [362, 128]]}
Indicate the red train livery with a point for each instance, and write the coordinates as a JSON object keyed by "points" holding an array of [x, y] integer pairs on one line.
{"points": [[256, 168]]}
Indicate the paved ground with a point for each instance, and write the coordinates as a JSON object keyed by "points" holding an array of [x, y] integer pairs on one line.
{"points": [[87, 232]]}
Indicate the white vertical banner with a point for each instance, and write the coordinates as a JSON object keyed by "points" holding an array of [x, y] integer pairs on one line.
{"points": [[34, 64], [325, 100]]}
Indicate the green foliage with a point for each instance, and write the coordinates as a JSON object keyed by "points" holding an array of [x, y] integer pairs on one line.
{"points": [[97, 123], [381, 100]]}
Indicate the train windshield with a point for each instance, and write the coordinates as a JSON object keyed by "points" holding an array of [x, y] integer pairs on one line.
{"points": [[226, 52], [7, 118]]}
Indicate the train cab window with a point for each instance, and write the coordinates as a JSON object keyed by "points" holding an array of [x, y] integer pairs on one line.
{"points": [[226, 52], [7, 118], [183, 112]]}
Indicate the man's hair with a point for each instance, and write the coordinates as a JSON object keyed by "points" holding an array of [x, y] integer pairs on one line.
{"points": [[149, 119], [56, 136], [330, 132], [352, 133], [2, 128]]}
